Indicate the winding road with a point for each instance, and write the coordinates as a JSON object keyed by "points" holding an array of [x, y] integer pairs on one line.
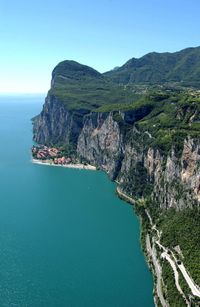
{"points": [[151, 249], [158, 270], [174, 264]]}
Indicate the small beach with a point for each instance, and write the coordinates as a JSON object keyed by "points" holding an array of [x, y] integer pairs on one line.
{"points": [[70, 165]]}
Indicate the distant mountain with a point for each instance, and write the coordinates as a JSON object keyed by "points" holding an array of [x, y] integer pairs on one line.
{"points": [[154, 68]]}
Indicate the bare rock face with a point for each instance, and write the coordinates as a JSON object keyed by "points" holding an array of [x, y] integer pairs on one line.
{"points": [[100, 142], [190, 162], [56, 125], [170, 188], [127, 156]]}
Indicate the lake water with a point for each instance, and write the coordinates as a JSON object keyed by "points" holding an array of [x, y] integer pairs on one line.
{"points": [[65, 238]]}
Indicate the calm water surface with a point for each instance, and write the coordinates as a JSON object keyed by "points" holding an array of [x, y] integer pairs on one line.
{"points": [[65, 238]]}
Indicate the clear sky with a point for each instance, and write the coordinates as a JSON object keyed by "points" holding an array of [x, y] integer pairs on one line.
{"points": [[36, 35]]}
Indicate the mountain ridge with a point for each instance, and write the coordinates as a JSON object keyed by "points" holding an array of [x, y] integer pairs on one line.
{"points": [[155, 67]]}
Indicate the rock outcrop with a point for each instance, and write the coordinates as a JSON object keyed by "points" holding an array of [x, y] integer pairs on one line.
{"points": [[112, 142], [56, 124]]}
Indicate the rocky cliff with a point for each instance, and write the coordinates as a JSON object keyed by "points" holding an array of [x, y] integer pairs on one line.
{"points": [[147, 140], [56, 124], [113, 142]]}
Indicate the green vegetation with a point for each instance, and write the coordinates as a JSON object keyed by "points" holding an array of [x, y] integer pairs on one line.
{"points": [[174, 298], [179, 229], [183, 228], [67, 150], [135, 184], [139, 209], [168, 114], [133, 106], [173, 118], [81, 87], [156, 68], [184, 286]]}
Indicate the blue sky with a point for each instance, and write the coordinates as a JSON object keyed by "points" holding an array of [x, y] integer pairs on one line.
{"points": [[36, 35]]}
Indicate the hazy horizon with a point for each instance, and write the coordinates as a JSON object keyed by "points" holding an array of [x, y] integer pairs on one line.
{"points": [[37, 36]]}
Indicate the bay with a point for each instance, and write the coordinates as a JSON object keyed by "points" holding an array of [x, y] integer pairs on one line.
{"points": [[65, 237]]}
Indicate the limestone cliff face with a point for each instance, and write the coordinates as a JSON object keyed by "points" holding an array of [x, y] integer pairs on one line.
{"points": [[173, 181], [56, 125], [101, 143], [176, 180], [104, 140]]}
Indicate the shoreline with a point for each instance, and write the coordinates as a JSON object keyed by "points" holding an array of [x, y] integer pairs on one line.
{"points": [[134, 203], [70, 165], [129, 200], [125, 197]]}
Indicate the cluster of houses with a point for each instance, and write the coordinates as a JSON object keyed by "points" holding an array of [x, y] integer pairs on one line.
{"points": [[50, 153], [62, 160]]}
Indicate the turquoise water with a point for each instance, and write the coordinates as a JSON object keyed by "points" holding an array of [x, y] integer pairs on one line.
{"points": [[65, 238]]}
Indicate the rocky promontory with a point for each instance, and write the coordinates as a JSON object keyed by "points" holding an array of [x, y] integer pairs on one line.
{"points": [[148, 143]]}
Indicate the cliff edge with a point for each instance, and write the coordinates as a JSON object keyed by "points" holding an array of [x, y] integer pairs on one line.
{"points": [[148, 143]]}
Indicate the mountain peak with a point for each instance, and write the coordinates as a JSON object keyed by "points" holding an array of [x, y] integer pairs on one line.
{"points": [[72, 70]]}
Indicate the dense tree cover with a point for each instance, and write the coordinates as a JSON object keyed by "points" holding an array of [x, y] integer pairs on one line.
{"points": [[154, 68], [183, 228], [139, 209], [136, 183], [173, 296], [174, 116]]}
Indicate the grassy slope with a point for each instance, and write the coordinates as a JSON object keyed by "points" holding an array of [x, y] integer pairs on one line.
{"points": [[78, 86]]}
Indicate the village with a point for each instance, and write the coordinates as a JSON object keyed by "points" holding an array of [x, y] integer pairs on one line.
{"points": [[53, 154]]}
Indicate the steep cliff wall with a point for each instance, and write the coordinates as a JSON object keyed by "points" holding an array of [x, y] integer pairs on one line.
{"points": [[112, 142], [57, 125], [148, 143]]}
